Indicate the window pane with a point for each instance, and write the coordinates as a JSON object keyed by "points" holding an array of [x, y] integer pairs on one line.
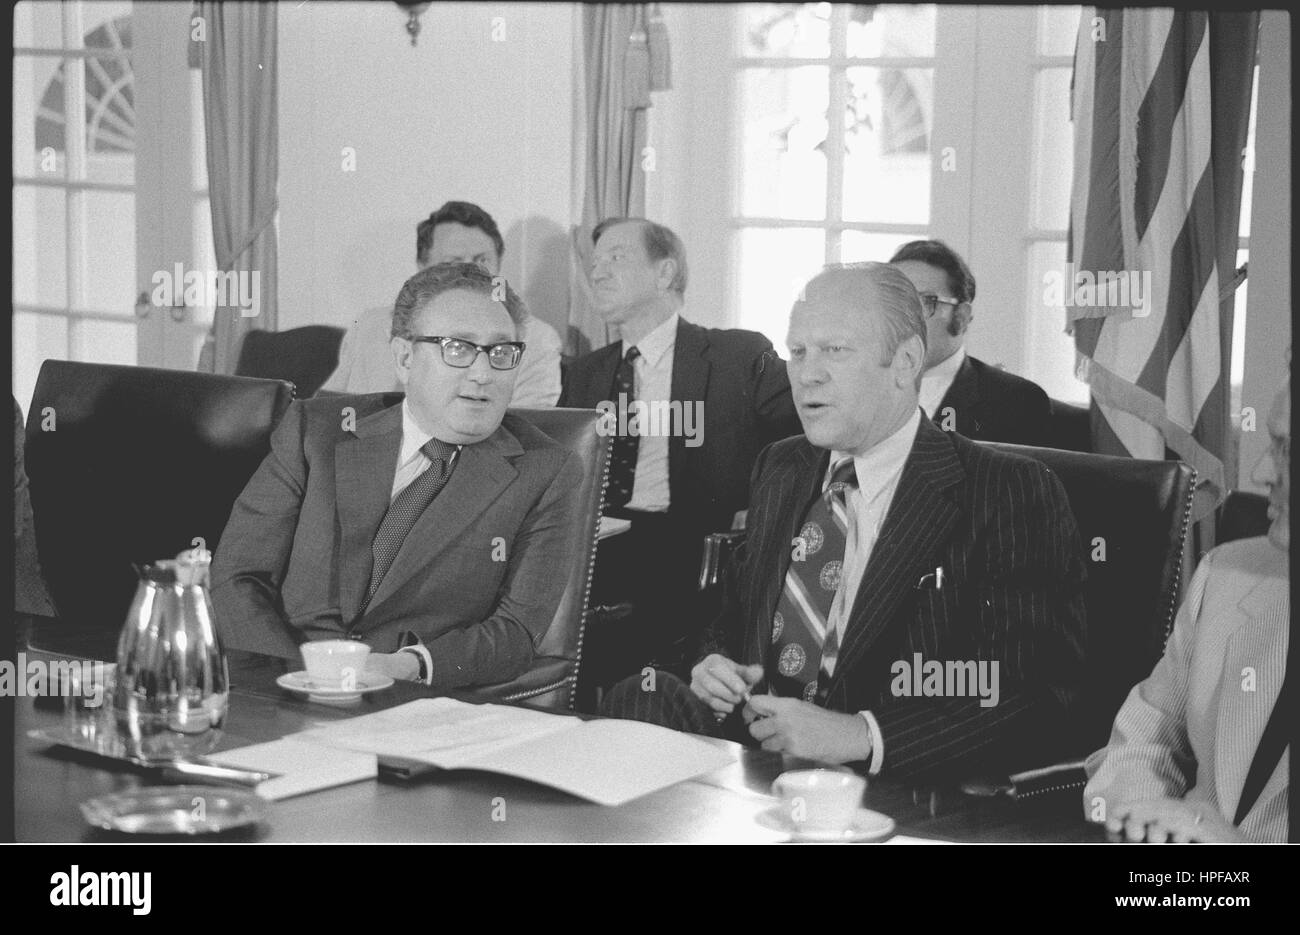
{"points": [[106, 342], [786, 30], [107, 25], [1248, 163], [887, 143], [110, 252], [36, 339], [1058, 28], [1053, 154], [876, 31], [1049, 351], [1237, 370], [38, 25], [783, 169], [40, 246], [860, 246], [774, 265], [108, 124]]}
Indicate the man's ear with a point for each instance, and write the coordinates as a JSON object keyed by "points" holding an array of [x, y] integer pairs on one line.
{"points": [[667, 273], [961, 319], [402, 351], [909, 361]]}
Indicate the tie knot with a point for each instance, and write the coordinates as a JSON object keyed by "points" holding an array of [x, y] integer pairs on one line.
{"points": [[843, 477], [436, 450], [632, 354]]}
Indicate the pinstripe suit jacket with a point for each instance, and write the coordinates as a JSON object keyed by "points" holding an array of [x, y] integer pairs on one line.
{"points": [[1001, 528], [1191, 728]]}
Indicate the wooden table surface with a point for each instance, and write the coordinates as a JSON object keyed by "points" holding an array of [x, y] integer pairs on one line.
{"points": [[727, 806]]}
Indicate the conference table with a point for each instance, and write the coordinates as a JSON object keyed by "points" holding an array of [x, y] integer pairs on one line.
{"points": [[731, 805]]}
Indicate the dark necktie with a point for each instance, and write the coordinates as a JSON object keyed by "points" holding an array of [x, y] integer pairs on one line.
{"points": [[622, 460], [803, 639], [406, 508], [1271, 744]]}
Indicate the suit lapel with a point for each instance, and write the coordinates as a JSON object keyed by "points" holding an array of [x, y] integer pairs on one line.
{"points": [[483, 472], [917, 526], [1260, 645], [963, 396], [794, 491], [600, 378], [690, 382], [364, 465]]}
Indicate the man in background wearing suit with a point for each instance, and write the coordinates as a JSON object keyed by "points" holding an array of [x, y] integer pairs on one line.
{"points": [[437, 529], [961, 393], [684, 480], [1197, 752], [458, 232], [880, 549]]}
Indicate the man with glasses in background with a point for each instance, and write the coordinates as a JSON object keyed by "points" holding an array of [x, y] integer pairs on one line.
{"points": [[437, 529], [458, 232], [961, 393]]}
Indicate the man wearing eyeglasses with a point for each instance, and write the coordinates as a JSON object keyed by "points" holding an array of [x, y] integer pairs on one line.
{"points": [[458, 232], [961, 393], [437, 529]]}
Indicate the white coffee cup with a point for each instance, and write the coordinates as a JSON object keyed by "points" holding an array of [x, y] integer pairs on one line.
{"points": [[820, 800], [335, 663]]}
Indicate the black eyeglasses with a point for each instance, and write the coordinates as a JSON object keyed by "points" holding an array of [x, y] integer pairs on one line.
{"points": [[931, 302], [457, 352]]}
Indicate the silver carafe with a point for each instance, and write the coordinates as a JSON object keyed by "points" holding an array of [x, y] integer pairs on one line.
{"points": [[172, 685]]}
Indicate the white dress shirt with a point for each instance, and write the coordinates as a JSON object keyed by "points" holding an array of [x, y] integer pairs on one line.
{"points": [[654, 383], [868, 504], [936, 382]]}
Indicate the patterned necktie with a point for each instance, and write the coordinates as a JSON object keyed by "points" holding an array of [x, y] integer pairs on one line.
{"points": [[802, 641], [406, 508], [622, 460]]}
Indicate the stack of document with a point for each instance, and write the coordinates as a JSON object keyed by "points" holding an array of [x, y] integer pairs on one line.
{"points": [[606, 761], [300, 766]]}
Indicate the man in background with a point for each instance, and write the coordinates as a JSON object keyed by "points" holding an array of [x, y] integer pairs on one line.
{"points": [[1198, 751], [961, 393], [680, 478], [458, 232]]}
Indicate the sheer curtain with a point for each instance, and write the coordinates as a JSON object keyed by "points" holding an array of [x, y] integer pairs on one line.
{"points": [[238, 61]]}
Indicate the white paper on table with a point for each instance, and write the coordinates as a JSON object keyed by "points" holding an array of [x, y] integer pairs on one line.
{"points": [[612, 526], [303, 767], [607, 761], [905, 839]]}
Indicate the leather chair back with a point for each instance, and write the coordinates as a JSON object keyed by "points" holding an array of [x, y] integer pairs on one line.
{"points": [[553, 677], [1133, 517], [132, 464], [1069, 427], [304, 356]]}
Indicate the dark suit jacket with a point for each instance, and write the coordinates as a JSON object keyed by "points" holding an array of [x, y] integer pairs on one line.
{"points": [[747, 404], [992, 405], [1001, 528], [478, 578]]}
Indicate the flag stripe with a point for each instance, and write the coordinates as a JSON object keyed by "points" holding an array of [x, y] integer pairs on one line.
{"points": [[1160, 108]]}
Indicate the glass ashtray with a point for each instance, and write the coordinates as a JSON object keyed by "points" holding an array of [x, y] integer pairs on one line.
{"points": [[175, 810]]}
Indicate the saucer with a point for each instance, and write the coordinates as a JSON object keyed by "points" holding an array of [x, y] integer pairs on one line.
{"points": [[300, 684], [867, 826], [175, 810]]}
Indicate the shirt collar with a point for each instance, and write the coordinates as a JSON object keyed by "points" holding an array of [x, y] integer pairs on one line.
{"points": [[413, 437], [946, 370], [878, 466], [659, 341]]}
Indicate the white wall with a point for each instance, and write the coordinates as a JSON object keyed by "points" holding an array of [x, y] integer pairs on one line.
{"points": [[460, 116]]}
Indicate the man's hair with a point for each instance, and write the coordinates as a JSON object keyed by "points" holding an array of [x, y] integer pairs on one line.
{"points": [[433, 281], [456, 212], [938, 254], [660, 244], [897, 306]]}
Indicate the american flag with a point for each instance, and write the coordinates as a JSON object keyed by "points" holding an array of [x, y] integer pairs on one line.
{"points": [[1161, 100]]}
